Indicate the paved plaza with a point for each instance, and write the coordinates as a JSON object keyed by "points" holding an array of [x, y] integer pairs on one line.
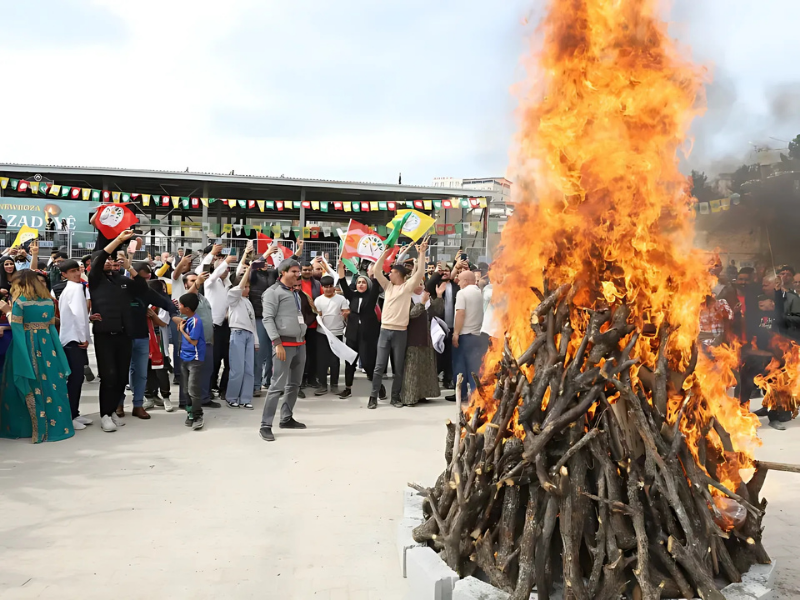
{"points": [[156, 510]]}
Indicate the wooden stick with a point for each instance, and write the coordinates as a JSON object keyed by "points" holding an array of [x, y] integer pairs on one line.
{"points": [[773, 466]]}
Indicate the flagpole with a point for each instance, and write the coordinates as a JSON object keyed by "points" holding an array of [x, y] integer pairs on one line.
{"points": [[204, 230]]}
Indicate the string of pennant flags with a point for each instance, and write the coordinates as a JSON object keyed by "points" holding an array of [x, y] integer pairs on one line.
{"points": [[95, 195]]}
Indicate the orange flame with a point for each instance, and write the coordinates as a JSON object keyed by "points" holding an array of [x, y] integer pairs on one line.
{"points": [[781, 382], [600, 201]]}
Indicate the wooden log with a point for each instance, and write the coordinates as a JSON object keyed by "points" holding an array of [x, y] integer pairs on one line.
{"points": [[527, 543]]}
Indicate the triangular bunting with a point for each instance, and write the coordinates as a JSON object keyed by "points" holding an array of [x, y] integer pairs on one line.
{"points": [[315, 206], [260, 205], [391, 205], [126, 197], [95, 195], [145, 199], [175, 201], [23, 186], [270, 204], [35, 187], [86, 193], [3, 183], [204, 201], [323, 206], [279, 205], [15, 182]]}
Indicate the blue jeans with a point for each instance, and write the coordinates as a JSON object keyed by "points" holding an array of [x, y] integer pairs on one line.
{"points": [[262, 373], [467, 360], [175, 340], [240, 380], [137, 374]]}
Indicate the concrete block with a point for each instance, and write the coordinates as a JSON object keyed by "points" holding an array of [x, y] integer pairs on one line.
{"points": [[470, 588], [746, 591], [405, 539], [762, 574], [412, 504], [429, 578]]}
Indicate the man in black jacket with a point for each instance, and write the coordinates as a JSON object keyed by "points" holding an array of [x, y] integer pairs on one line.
{"points": [[440, 285], [113, 296]]}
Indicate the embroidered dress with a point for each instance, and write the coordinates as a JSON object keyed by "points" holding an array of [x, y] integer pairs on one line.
{"points": [[33, 392]]}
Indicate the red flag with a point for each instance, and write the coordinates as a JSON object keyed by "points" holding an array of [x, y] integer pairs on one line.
{"points": [[279, 205], [365, 206], [107, 196], [251, 204], [337, 206], [113, 219], [164, 200], [391, 205], [195, 202], [75, 193], [306, 204], [447, 204], [263, 242], [314, 233], [22, 186], [417, 203]]}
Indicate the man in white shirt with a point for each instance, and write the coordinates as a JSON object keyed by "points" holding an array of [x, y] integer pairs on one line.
{"points": [[468, 347], [243, 345], [215, 290], [74, 334], [334, 310]]}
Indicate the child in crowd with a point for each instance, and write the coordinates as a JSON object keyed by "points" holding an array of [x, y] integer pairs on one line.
{"points": [[193, 353], [334, 310]]}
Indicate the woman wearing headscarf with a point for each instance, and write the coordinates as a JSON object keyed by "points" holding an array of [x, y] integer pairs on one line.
{"points": [[34, 385], [420, 379], [7, 270], [363, 327]]}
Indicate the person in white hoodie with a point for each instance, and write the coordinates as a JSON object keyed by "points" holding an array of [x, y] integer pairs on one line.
{"points": [[74, 334], [243, 345]]}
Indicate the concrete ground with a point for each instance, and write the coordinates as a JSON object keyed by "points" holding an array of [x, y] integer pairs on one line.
{"points": [[156, 510]]}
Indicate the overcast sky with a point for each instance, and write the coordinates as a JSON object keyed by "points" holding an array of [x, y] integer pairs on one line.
{"points": [[354, 89]]}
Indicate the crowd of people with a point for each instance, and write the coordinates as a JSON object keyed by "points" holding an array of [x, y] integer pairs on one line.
{"points": [[757, 308], [227, 332]]}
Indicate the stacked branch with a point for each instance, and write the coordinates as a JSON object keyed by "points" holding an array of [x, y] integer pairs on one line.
{"points": [[602, 494]]}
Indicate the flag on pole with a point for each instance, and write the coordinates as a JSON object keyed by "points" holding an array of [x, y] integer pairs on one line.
{"points": [[361, 242], [113, 219], [415, 223]]}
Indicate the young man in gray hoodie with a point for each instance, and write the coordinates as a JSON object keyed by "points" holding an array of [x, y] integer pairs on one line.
{"points": [[286, 329]]}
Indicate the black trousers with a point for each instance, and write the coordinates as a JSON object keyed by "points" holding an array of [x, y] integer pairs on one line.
{"points": [[312, 343], [157, 380], [326, 359], [444, 361], [367, 353], [77, 358], [113, 363], [222, 344]]}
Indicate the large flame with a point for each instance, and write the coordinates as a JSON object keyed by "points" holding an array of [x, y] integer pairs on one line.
{"points": [[600, 201]]}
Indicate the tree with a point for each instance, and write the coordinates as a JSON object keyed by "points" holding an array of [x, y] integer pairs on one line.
{"points": [[741, 176], [794, 148], [700, 188]]}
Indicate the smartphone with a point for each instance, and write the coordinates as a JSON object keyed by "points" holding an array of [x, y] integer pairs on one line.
{"points": [[208, 268], [226, 251], [232, 251], [133, 246]]}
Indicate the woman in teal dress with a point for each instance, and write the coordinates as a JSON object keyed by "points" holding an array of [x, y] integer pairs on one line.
{"points": [[33, 393]]}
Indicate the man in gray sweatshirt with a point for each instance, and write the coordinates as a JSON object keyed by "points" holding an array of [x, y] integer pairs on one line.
{"points": [[286, 329]]}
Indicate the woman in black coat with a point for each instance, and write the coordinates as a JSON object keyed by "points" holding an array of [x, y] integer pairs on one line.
{"points": [[363, 326]]}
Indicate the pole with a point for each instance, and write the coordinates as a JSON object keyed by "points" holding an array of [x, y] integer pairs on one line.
{"points": [[204, 234], [302, 210]]}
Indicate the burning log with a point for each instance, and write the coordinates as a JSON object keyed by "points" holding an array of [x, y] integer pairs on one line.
{"points": [[581, 473]]}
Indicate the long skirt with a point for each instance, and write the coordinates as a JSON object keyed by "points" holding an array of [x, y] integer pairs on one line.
{"points": [[420, 379]]}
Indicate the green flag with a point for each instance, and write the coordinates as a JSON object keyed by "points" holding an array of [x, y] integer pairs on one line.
{"points": [[96, 196], [126, 197], [64, 190], [437, 204], [242, 203], [382, 206], [459, 228], [212, 200], [247, 229], [323, 206], [270, 204], [185, 201], [349, 264], [14, 183], [391, 241]]}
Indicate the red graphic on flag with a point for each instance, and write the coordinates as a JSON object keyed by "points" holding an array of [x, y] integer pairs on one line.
{"points": [[263, 243]]}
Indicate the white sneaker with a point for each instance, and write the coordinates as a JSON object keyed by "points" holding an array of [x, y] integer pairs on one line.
{"points": [[77, 425], [84, 420], [107, 424], [148, 404], [117, 420], [168, 405]]}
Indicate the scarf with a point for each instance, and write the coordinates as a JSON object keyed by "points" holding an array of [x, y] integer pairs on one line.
{"points": [[156, 357]]}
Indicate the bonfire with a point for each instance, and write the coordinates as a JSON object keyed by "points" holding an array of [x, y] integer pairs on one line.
{"points": [[602, 452]]}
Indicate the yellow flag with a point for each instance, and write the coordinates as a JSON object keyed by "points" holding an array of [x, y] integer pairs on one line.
{"points": [[482, 202], [260, 205], [416, 225], [145, 199], [115, 196], [714, 206], [257, 228], [231, 203], [477, 226], [287, 204], [3, 182], [35, 187], [428, 205], [25, 234], [175, 200], [55, 189], [455, 202], [347, 207], [204, 201], [85, 193], [315, 206], [373, 206]]}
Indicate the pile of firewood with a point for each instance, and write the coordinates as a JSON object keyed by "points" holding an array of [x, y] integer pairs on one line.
{"points": [[602, 494]]}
